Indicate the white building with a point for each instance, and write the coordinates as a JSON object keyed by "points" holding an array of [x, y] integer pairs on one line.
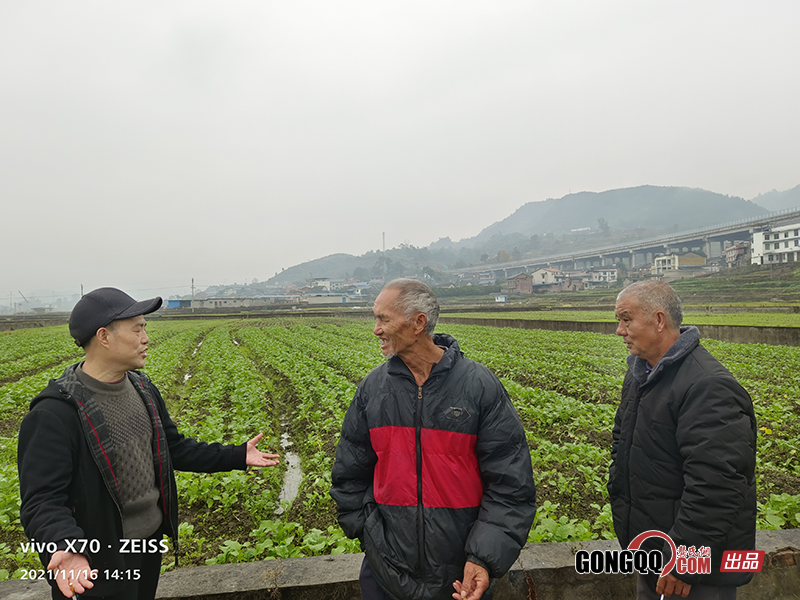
{"points": [[604, 275], [779, 245], [224, 302], [674, 262], [321, 282], [325, 298], [547, 277]]}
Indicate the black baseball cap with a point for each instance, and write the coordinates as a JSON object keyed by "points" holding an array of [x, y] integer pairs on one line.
{"points": [[103, 305]]}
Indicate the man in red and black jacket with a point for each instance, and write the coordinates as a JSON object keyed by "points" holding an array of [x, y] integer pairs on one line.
{"points": [[432, 472]]}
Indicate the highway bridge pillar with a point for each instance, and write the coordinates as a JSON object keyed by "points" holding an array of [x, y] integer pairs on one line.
{"points": [[633, 259]]}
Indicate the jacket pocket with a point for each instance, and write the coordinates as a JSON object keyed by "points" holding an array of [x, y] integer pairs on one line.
{"points": [[380, 554]]}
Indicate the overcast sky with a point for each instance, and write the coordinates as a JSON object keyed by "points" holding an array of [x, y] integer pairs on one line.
{"points": [[146, 143]]}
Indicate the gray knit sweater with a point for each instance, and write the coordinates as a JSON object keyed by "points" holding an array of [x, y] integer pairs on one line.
{"points": [[132, 437]]}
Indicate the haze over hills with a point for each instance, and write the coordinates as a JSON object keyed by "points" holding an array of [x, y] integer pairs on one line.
{"points": [[556, 225], [776, 200], [649, 207]]}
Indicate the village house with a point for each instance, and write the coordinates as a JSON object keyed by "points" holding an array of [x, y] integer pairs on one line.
{"points": [[778, 245], [547, 276], [737, 254], [519, 284], [665, 263]]}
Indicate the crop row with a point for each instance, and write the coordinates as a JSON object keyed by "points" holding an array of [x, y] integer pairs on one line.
{"points": [[315, 397]]}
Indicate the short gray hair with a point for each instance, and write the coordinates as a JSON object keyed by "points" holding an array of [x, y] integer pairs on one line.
{"points": [[656, 295], [416, 297]]}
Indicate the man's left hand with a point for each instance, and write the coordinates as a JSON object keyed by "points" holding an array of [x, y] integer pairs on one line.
{"points": [[256, 458], [669, 584], [476, 580]]}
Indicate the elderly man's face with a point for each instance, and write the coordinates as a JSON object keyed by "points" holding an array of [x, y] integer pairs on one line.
{"points": [[639, 331], [392, 327]]}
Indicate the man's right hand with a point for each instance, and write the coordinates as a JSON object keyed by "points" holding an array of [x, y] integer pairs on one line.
{"points": [[669, 584], [73, 575], [476, 580]]}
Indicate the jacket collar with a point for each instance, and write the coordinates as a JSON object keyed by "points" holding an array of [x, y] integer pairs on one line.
{"points": [[69, 388], [688, 341], [452, 352]]}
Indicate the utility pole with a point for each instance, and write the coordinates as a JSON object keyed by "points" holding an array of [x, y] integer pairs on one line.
{"points": [[192, 294]]}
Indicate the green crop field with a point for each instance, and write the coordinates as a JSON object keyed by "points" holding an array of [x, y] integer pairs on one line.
{"points": [[227, 380], [750, 319]]}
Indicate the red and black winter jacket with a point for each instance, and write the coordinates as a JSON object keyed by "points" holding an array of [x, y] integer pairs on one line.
{"points": [[66, 470], [430, 477]]}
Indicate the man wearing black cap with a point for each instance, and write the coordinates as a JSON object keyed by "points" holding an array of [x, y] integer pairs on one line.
{"points": [[96, 457]]}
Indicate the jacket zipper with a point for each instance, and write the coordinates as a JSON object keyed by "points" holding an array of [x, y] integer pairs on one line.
{"points": [[420, 521]]}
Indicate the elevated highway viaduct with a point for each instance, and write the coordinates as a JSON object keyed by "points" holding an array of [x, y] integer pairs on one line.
{"points": [[710, 241]]}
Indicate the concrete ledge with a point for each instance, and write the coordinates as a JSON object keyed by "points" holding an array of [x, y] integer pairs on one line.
{"points": [[543, 572], [740, 334]]}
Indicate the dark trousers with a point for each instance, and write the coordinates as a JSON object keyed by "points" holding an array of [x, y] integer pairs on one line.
{"points": [[646, 590], [144, 588], [370, 590]]}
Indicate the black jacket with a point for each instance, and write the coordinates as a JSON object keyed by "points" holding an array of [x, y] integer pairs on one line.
{"points": [[683, 456], [67, 484], [430, 477]]}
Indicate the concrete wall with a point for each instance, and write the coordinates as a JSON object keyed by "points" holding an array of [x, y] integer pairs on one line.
{"points": [[543, 572], [12, 323], [783, 336]]}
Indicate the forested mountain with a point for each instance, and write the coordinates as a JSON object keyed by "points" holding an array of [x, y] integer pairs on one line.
{"points": [[644, 207], [554, 226]]}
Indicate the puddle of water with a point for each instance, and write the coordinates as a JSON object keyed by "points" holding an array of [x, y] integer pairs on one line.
{"points": [[293, 476]]}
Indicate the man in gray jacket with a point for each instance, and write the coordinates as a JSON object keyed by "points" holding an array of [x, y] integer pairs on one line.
{"points": [[684, 446]]}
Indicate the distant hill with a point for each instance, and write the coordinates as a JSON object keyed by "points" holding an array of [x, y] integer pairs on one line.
{"points": [[576, 221], [776, 200], [335, 266], [647, 206]]}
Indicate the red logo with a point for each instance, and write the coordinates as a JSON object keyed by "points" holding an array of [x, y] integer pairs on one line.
{"points": [[685, 560], [742, 561]]}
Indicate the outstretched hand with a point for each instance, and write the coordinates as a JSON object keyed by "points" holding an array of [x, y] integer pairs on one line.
{"points": [[256, 458], [476, 580]]}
